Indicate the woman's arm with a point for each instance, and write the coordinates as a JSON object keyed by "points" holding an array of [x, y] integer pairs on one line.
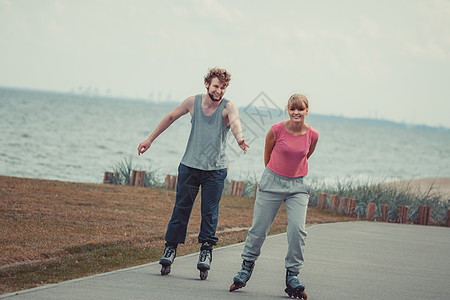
{"points": [[312, 148], [270, 143]]}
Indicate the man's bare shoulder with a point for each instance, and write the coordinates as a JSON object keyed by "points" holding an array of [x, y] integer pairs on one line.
{"points": [[188, 103], [230, 107], [189, 100]]}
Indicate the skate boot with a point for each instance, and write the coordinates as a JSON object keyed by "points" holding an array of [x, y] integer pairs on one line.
{"points": [[204, 260], [167, 259], [293, 286], [240, 280]]}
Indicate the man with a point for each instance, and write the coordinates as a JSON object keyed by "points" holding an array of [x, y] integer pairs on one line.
{"points": [[204, 165]]}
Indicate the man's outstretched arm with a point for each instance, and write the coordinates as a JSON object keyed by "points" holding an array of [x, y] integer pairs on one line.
{"points": [[182, 109], [235, 125]]}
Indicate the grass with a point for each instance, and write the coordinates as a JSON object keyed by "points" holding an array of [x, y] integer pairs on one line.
{"points": [[53, 231]]}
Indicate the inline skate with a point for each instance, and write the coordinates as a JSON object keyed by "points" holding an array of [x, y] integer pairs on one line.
{"points": [[204, 260], [294, 288], [167, 259], [240, 280]]}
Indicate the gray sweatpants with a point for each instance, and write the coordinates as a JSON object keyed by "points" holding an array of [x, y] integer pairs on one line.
{"points": [[273, 190]]}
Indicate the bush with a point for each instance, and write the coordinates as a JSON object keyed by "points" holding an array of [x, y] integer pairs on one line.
{"points": [[125, 167]]}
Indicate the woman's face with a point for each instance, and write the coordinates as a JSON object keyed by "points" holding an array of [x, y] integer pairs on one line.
{"points": [[297, 114]]}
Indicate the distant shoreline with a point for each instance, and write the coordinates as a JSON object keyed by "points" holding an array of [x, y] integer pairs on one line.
{"points": [[173, 102]]}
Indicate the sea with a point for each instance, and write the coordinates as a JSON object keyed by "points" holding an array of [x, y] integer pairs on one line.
{"points": [[77, 138]]}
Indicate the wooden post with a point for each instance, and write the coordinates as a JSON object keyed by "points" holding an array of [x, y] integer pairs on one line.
{"points": [[137, 178], [448, 218], [236, 188], [167, 182], [133, 177], [240, 188], [428, 216], [140, 179], [322, 202], [106, 178], [371, 211], [384, 211], [351, 207], [232, 184], [173, 181], [343, 205], [399, 213], [334, 199], [405, 214], [402, 214], [421, 216], [111, 178]]}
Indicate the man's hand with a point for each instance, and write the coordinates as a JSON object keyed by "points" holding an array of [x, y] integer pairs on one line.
{"points": [[143, 146], [243, 145]]}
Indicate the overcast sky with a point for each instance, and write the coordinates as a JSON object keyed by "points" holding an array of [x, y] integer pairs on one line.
{"points": [[368, 59]]}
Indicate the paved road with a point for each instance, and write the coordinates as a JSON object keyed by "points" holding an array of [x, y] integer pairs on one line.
{"points": [[356, 260]]}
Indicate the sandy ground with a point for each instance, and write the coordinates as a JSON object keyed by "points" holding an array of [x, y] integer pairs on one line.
{"points": [[440, 185]]}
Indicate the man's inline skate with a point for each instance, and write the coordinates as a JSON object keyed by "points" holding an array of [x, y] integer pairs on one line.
{"points": [[294, 288], [240, 280], [167, 259], [204, 260]]}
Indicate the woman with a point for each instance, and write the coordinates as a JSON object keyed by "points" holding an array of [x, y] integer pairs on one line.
{"points": [[289, 144]]}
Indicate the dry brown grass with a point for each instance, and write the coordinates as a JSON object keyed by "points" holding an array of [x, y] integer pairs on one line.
{"points": [[53, 231]]}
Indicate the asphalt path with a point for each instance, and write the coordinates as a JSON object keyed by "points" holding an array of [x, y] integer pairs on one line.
{"points": [[354, 260]]}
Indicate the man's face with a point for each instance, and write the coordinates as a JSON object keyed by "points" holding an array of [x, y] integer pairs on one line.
{"points": [[216, 89]]}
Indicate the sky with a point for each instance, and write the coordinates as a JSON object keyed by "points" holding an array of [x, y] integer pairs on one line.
{"points": [[381, 59]]}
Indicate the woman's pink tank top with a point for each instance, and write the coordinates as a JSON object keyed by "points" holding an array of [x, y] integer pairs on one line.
{"points": [[288, 157]]}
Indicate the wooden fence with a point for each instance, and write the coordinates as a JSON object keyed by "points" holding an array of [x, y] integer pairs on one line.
{"points": [[342, 205], [137, 178], [346, 206]]}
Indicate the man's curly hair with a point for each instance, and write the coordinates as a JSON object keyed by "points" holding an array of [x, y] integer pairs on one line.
{"points": [[221, 74]]}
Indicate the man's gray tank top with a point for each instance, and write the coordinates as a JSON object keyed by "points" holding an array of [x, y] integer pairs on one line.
{"points": [[207, 142]]}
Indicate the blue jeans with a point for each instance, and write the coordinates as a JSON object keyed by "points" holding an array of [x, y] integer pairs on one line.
{"points": [[188, 184]]}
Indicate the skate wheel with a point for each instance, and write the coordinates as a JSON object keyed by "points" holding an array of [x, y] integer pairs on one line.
{"points": [[234, 287], [165, 270], [296, 294], [203, 274]]}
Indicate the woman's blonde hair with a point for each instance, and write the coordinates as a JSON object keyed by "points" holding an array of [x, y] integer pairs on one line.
{"points": [[297, 101]]}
